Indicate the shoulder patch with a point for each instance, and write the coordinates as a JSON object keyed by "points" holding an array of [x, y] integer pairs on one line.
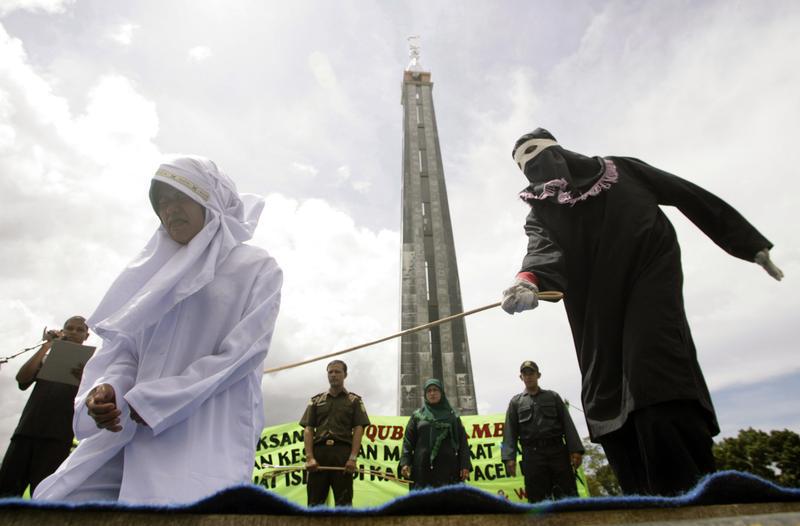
{"points": [[352, 396]]}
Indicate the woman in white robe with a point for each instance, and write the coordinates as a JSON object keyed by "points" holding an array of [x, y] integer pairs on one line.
{"points": [[186, 328]]}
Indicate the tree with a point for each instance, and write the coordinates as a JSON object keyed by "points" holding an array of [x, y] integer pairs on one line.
{"points": [[774, 456], [600, 477]]}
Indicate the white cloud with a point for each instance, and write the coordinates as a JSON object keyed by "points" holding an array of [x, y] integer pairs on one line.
{"points": [[362, 186], [118, 123], [323, 70], [305, 169], [340, 289], [123, 33], [200, 53], [71, 186], [325, 76], [343, 173], [46, 6]]}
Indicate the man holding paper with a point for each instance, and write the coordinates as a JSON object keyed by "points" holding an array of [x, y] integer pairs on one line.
{"points": [[43, 436], [170, 409]]}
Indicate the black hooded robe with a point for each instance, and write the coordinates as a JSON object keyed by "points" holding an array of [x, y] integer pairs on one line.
{"points": [[616, 257]]}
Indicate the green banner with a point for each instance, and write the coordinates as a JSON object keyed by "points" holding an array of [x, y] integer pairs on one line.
{"points": [[282, 446]]}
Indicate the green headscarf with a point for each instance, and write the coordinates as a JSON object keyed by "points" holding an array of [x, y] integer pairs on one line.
{"points": [[442, 418]]}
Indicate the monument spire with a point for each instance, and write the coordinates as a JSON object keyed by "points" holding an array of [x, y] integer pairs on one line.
{"points": [[413, 52], [429, 275]]}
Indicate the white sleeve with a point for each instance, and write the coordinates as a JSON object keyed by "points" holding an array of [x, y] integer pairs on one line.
{"points": [[115, 364], [163, 402]]}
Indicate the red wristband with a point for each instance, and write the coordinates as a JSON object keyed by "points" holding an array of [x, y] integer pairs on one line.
{"points": [[530, 277]]}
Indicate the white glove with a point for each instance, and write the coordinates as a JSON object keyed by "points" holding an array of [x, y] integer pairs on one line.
{"points": [[762, 258], [520, 296]]}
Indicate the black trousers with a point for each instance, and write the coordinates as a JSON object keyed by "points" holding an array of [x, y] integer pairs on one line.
{"points": [[321, 482], [548, 472], [28, 461], [662, 449]]}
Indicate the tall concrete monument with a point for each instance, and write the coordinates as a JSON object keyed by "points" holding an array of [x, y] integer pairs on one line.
{"points": [[430, 286]]}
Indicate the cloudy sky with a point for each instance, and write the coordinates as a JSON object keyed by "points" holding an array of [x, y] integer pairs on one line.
{"points": [[300, 102]]}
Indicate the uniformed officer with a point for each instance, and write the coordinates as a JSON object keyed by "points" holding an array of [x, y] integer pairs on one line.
{"points": [[333, 424], [551, 447]]}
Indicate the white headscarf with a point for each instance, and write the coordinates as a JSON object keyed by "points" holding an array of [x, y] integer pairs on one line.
{"points": [[166, 272]]}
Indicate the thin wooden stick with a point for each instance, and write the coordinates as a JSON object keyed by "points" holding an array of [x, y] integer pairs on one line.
{"points": [[278, 470], [548, 295], [382, 474]]}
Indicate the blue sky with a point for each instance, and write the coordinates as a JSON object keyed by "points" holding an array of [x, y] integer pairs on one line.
{"points": [[300, 102]]}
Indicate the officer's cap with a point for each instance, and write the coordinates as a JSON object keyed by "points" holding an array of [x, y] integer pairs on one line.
{"points": [[529, 364]]}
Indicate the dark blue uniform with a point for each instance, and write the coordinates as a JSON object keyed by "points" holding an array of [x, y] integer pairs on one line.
{"points": [[544, 429]]}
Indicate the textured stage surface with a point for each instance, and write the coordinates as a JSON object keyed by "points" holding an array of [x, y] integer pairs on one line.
{"points": [[723, 498]]}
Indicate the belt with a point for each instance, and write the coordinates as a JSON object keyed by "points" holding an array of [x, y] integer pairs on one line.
{"points": [[544, 442], [331, 442]]}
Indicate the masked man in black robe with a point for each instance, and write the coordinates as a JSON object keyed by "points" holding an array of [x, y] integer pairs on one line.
{"points": [[596, 232]]}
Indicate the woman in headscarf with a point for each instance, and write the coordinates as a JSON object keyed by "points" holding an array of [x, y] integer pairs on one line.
{"points": [[435, 449], [169, 410]]}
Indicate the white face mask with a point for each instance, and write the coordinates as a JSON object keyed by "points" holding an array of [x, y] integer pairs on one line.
{"points": [[530, 149]]}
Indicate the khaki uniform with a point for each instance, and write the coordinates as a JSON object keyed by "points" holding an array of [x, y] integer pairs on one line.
{"points": [[333, 418]]}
